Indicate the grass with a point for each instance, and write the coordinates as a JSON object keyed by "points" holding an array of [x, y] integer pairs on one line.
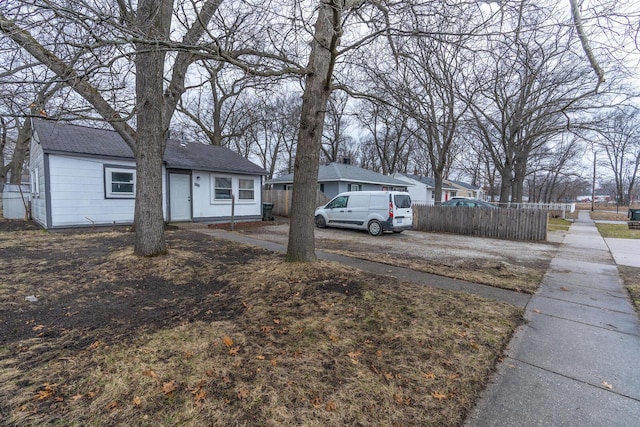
{"points": [[558, 224], [618, 231], [631, 279], [220, 334]]}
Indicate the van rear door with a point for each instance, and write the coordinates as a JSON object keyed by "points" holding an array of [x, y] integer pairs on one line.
{"points": [[402, 212]]}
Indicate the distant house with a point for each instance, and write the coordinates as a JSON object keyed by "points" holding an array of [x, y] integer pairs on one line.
{"points": [[423, 189], [84, 176], [336, 178], [466, 190]]}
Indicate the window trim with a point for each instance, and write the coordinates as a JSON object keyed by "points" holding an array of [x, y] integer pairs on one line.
{"points": [[109, 170]]}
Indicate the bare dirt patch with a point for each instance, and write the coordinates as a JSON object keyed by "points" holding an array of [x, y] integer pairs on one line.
{"points": [[505, 264], [217, 333]]}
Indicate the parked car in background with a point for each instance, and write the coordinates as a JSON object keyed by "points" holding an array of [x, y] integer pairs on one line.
{"points": [[374, 211], [468, 203]]}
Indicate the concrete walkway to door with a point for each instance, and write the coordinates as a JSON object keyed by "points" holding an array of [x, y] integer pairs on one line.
{"points": [[577, 360]]}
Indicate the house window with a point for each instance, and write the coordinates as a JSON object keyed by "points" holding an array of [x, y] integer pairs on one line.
{"points": [[120, 183], [222, 189], [245, 189], [355, 187], [35, 183]]}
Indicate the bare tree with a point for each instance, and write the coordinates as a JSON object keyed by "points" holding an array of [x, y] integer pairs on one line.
{"points": [[532, 88], [390, 137], [336, 143], [619, 139], [318, 86]]}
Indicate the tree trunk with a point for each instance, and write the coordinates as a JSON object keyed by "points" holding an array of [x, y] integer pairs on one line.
{"points": [[20, 152], [152, 134], [301, 247]]}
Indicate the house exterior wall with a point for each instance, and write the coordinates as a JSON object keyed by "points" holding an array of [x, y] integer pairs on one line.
{"points": [[419, 192], [207, 208], [76, 191]]}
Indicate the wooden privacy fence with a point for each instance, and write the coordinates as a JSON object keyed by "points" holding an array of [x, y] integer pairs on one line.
{"points": [[503, 223], [281, 200]]}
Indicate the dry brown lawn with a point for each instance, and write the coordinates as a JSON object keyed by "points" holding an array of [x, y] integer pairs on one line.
{"points": [[218, 333]]}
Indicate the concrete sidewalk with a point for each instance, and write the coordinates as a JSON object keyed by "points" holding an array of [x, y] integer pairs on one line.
{"points": [[577, 360]]}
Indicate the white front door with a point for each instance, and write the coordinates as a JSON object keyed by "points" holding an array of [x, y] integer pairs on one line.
{"points": [[180, 197]]}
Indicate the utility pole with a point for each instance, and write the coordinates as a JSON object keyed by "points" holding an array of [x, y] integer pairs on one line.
{"points": [[593, 182]]}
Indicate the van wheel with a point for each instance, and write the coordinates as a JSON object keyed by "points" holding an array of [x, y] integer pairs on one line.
{"points": [[320, 222], [374, 228]]}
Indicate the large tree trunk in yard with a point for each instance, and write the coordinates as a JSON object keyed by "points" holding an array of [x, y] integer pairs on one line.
{"points": [[154, 21], [20, 152], [317, 89]]}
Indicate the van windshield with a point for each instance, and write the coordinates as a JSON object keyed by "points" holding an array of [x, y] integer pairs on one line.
{"points": [[403, 201]]}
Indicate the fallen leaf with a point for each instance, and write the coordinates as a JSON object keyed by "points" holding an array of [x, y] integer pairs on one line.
{"points": [[331, 406], [149, 373], [199, 395], [209, 373], [227, 341], [267, 329], [243, 393], [58, 399], [169, 388], [316, 401], [438, 395], [452, 376], [354, 354], [137, 400], [188, 354], [447, 362], [536, 310], [111, 405], [401, 400], [234, 351], [274, 362], [77, 397], [38, 327], [388, 375], [43, 394], [333, 338], [276, 321], [430, 376], [562, 288], [46, 392], [606, 385], [260, 357], [95, 345]]}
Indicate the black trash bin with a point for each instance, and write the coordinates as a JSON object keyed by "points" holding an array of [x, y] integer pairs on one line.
{"points": [[267, 211], [634, 214]]}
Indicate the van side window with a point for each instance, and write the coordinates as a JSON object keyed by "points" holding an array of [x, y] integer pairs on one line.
{"points": [[339, 202]]}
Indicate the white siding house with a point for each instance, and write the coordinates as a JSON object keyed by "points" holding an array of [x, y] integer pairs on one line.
{"points": [[422, 189], [85, 176]]}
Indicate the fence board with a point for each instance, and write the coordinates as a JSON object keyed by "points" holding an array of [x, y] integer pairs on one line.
{"points": [[503, 223], [281, 200]]}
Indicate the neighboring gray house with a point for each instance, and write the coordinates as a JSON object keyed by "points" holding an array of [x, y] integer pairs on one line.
{"points": [[422, 189], [84, 176], [336, 178]]}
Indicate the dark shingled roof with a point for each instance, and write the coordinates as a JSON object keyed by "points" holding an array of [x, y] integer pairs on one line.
{"points": [[64, 138], [347, 173]]}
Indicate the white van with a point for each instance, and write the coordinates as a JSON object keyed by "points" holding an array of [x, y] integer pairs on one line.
{"points": [[374, 211]]}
